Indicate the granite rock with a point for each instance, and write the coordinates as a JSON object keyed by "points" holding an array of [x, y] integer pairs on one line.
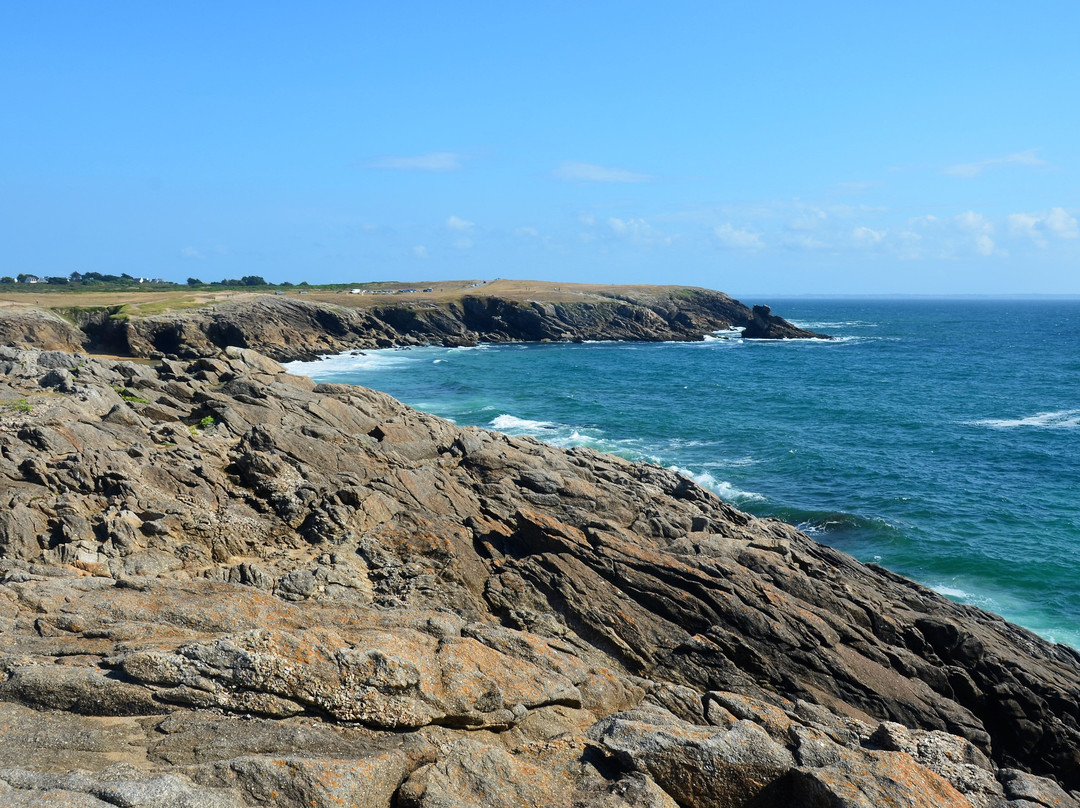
{"points": [[266, 591]]}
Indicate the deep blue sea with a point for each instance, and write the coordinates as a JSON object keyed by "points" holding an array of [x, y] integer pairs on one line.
{"points": [[938, 438]]}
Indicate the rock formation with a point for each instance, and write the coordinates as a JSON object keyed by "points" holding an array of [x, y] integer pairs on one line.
{"points": [[288, 328], [29, 327], [766, 325], [223, 585]]}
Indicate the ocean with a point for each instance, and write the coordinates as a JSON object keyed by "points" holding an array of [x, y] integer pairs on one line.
{"points": [[938, 438]]}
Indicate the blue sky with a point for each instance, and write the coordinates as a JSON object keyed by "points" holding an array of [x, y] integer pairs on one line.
{"points": [[770, 148]]}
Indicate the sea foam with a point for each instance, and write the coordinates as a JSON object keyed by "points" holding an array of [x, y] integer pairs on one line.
{"points": [[511, 423], [1062, 419], [341, 364], [721, 488]]}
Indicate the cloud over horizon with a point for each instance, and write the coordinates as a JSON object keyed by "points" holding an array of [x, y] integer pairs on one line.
{"points": [[1039, 227]]}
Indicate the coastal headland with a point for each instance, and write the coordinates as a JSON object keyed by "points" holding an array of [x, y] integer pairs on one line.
{"points": [[301, 324], [225, 585]]}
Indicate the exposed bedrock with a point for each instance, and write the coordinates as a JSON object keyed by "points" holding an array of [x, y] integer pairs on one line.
{"points": [[221, 584], [28, 327]]}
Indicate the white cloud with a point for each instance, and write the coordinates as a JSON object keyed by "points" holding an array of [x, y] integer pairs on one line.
{"points": [[461, 225], [737, 238], [433, 161], [192, 253], [980, 228], [638, 231], [971, 170], [1026, 225], [1061, 224], [804, 242], [1038, 227], [808, 219], [974, 222], [420, 251], [950, 238], [590, 172], [866, 236]]}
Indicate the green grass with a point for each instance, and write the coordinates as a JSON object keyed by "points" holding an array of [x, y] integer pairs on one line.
{"points": [[130, 396], [685, 294], [20, 405], [206, 422]]}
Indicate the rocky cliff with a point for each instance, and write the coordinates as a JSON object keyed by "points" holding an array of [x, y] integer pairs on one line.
{"points": [[223, 585], [26, 326], [288, 328], [766, 325]]}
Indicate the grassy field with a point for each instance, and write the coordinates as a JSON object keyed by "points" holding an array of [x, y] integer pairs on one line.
{"points": [[142, 303]]}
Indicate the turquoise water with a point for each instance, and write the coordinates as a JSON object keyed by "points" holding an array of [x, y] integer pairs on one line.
{"points": [[940, 439]]}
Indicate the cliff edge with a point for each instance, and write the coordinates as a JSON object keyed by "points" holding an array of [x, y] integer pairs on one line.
{"points": [[289, 327]]}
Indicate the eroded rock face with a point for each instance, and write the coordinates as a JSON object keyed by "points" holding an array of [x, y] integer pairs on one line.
{"points": [[28, 327], [224, 585]]}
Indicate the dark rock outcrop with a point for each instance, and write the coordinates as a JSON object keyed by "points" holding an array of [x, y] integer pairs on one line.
{"points": [[221, 584], [766, 325]]}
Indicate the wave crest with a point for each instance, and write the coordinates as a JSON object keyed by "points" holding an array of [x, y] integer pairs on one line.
{"points": [[1061, 419], [506, 423]]}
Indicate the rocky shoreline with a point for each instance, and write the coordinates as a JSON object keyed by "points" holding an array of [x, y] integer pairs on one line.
{"points": [[224, 585], [290, 328]]}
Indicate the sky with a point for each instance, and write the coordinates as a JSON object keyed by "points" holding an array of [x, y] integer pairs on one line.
{"points": [[758, 148]]}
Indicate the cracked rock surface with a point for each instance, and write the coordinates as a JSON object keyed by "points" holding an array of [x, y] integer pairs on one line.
{"points": [[223, 585]]}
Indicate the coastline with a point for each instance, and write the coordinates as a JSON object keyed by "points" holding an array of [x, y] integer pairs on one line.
{"points": [[609, 605], [291, 327], [877, 442]]}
